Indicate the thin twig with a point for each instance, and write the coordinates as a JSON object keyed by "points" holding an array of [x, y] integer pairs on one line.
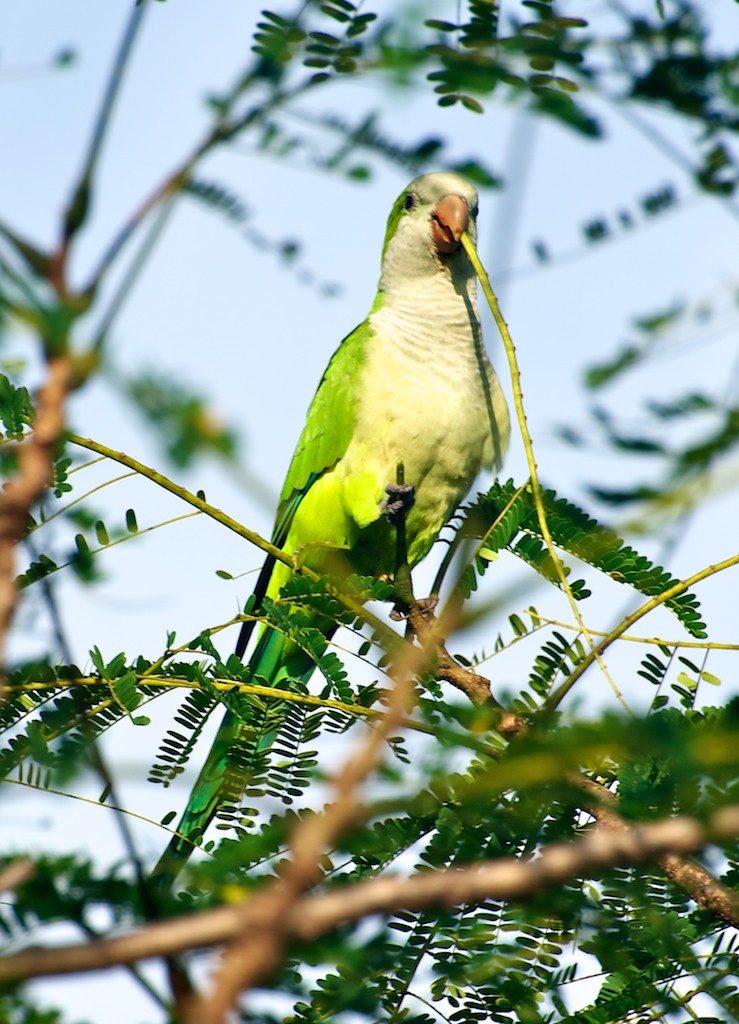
{"points": [[354, 605], [653, 641], [52, 608], [678, 588], [184, 495], [78, 208], [220, 133], [536, 493], [124, 288], [99, 761], [112, 89]]}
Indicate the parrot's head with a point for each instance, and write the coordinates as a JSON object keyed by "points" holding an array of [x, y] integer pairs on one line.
{"points": [[425, 227]]}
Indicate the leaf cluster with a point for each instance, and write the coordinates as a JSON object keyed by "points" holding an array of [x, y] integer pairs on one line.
{"points": [[683, 439], [505, 518]]}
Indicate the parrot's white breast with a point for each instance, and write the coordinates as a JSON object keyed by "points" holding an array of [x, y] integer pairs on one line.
{"points": [[429, 399]]}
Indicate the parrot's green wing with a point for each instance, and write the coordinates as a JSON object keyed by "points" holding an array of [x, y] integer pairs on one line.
{"points": [[328, 429]]}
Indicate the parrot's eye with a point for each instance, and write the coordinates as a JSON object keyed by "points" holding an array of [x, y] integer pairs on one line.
{"points": [[409, 202]]}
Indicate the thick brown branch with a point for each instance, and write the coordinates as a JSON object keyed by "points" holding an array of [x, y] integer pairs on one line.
{"points": [[35, 462], [707, 891], [475, 686], [16, 873], [507, 878]]}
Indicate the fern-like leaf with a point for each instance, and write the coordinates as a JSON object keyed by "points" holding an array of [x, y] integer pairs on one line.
{"points": [[578, 534]]}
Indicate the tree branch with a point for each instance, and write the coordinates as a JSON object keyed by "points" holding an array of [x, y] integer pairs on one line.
{"points": [[703, 887], [16, 873], [78, 208], [507, 878], [554, 700], [431, 633], [35, 465]]}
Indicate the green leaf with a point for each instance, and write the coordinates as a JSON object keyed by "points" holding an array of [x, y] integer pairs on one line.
{"points": [[126, 691], [477, 173], [16, 410], [576, 533], [472, 104], [64, 58], [187, 428], [441, 26]]}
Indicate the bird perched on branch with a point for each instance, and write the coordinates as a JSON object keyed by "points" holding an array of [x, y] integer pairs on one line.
{"points": [[412, 385]]}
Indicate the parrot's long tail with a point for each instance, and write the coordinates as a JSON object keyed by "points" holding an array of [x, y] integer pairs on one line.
{"points": [[242, 737]]}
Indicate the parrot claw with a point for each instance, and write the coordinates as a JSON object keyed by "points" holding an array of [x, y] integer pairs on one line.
{"points": [[399, 501], [425, 606]]}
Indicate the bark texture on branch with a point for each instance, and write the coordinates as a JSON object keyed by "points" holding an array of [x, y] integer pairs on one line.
{"points": [[703, 887], [21, 492], [506, 878]]}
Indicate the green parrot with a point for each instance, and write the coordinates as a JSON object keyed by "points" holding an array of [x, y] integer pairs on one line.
{"points": [[412, 385]]}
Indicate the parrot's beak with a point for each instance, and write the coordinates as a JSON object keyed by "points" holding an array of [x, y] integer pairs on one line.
{"points": [[449, 219]]}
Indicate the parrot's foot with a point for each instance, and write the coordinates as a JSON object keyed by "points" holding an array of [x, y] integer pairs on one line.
{"points": [[399, 502], [425, 606]]}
